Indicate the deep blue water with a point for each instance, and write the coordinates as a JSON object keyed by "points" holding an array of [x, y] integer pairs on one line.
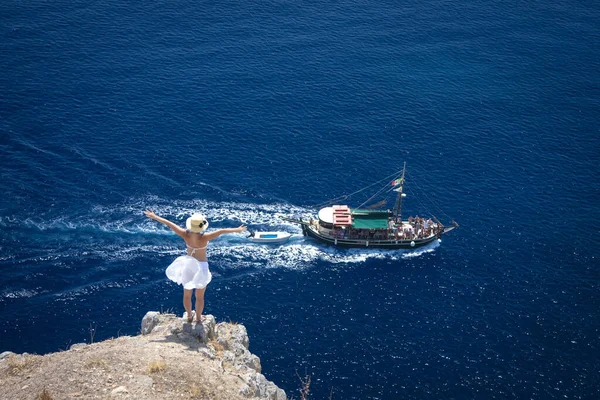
{"points": [[248, 111]]}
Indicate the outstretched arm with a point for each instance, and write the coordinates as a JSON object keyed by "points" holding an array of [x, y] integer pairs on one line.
{"points": [[174, 227], [219, 232]]}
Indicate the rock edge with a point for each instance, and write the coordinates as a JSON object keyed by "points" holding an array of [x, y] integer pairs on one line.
{"points": [[170, 358]]}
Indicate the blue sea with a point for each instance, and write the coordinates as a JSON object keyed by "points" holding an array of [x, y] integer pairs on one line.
{"points": [[253, 111]]}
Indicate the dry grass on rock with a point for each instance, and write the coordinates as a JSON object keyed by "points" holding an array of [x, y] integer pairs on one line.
{"points": [[19, 364], [44, 395], [97, 363], [157, 366]]}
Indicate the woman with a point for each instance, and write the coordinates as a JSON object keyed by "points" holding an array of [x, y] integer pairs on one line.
{"points": [[192, 271]]}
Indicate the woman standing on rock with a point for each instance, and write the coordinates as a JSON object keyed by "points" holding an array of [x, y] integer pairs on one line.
{"points": [[191, 271]]}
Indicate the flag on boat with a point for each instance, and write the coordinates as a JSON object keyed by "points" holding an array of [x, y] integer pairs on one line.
{"points": [[397, 182]]}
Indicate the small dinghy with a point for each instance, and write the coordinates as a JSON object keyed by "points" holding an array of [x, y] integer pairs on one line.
{"points": [[269, 237]]}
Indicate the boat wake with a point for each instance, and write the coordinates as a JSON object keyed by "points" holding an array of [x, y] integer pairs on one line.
{"points": [[122, 233]]}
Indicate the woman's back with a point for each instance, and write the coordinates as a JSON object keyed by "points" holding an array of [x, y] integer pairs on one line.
{"points": [[196, 244]]}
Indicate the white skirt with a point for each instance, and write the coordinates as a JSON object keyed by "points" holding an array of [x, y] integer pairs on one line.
{"points": [[189, 272]]}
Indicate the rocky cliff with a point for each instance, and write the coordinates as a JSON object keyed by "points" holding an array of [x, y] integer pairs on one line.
{"points": [[169, 359]]}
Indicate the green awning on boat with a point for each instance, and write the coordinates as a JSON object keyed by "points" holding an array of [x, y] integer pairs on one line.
{"points": [[370, 219], [374, 223]]}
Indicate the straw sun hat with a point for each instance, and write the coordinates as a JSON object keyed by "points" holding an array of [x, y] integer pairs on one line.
{"points": [[196, 223]]}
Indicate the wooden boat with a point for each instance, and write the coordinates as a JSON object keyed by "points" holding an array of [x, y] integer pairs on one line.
{"points": [[269, 237], [342, 226]]}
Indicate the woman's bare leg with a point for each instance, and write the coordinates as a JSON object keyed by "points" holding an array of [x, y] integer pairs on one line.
{"points": [[187, 303], [200, 304]]}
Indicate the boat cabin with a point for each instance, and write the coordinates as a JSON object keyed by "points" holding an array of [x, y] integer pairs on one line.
{"points": [[341, 222]]}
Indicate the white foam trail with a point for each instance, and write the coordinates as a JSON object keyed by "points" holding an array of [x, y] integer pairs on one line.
{"points": [[87, 156], [30, 145], [18, 294], [430, 248], [217, 212], [300, 253], [83, 223], [228, 251]]}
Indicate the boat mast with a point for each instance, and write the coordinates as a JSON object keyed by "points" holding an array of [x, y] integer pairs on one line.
{"points": [[398, 207]]}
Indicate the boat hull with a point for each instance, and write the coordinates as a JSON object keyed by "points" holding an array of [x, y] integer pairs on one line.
{"points": [[390, 244], [270, 237]]}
